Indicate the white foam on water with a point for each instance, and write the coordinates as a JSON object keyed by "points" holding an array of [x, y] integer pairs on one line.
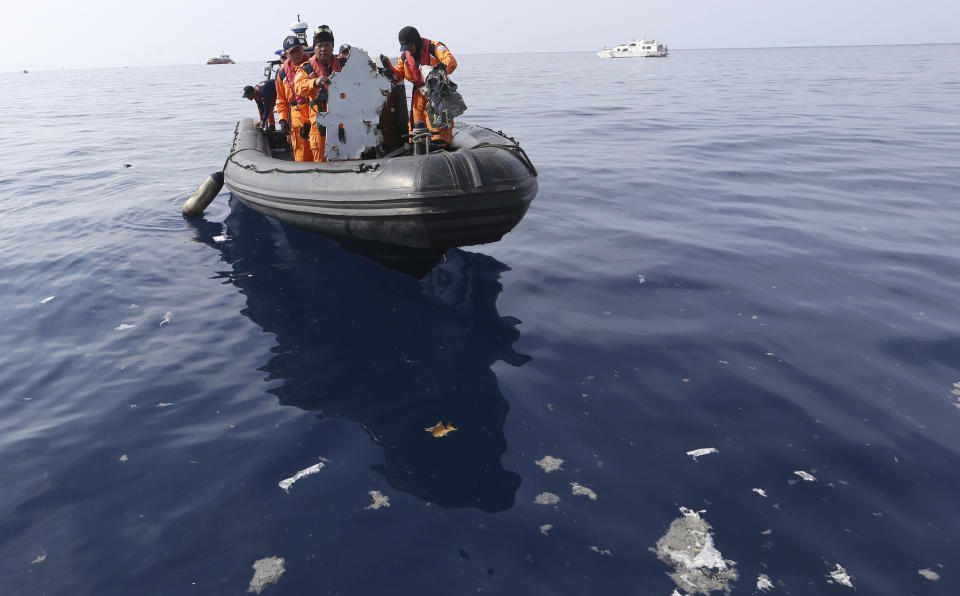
{"points": [[550, 463], [546, 499], [379, 500], [266, 571]]}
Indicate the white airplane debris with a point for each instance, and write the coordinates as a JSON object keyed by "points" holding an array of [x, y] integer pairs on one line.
{"points": [[550, 463], [545, 529], [929, 574], [219, 238], [166, 318], [39, 558], [286, 483], [164, 404], [695, 453], [47, 299], [840, 575], [123, 326], [807, 477], [763, 583], [124, 457], [579, 489], [266, 571], [605, 552], [760, 492]]}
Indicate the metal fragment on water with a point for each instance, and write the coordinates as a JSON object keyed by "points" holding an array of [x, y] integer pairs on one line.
{"points": [[47, 299], [124, 457], [123, 326], [763, 583], [545, 529], [379, 500], [166, 318], [760, 492], [266, 571], [601, 551], [805, 475], [579, 489], [698, 566], [39, 558], [286, 483], [220, 238], [550, 463], [929, 574], [164, 404], [695, 453], [840, 575], [546, 499]]}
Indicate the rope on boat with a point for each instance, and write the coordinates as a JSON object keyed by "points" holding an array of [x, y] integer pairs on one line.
{"points": [[360, 169]]}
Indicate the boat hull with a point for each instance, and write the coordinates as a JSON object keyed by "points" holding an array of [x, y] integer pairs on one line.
{"points": [[473, 195]]}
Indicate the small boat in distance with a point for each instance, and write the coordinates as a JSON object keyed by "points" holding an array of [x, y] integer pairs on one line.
{"points": [[638, 48], [221, 59]]}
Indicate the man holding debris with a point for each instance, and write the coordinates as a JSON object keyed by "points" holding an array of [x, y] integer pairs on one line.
{"points": [[415, 53], [312, 82], [299, 111]]}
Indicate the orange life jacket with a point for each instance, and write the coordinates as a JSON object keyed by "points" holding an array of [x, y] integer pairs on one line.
{"points": [[427, 49]]}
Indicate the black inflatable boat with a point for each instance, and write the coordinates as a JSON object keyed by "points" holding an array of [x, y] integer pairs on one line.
{"points": [[472, 192]]}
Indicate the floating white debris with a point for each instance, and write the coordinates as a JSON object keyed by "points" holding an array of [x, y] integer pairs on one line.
{"points": [[840, 575], [641, 279], [760, 492], [806, 476], [219, 238], [43, 557], [47, 299], [704, 451], [545, 529], [767, 532], [123, 326], [134, 305], [698, 565], [929, 574], [379, 500], [124, 457], [579, 489], [605, 552], [546, 499], [286, 483], [763, 583], [550, 463], [166, 318], [164, 404], [266, 571]]}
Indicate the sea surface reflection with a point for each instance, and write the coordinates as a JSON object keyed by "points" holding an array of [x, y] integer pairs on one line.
{"points": [[394, 354]]}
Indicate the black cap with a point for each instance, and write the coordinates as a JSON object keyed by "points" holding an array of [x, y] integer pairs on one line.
{"points": [[247, 91], [409, 36]]}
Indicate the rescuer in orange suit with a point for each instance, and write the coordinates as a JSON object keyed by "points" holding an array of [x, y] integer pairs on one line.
{"points": [[299, 110], [312, 82], [283, 104], [416, 51]]}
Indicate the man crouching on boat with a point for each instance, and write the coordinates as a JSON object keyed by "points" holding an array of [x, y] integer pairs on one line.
{"points": [[299, 111], [312, 82], [416, 51]]}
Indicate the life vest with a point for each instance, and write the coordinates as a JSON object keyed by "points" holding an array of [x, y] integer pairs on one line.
{"points": [[315, 69], [290, 73], [428, 49]]}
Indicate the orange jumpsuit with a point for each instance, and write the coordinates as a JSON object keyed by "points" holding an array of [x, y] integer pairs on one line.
{"points": [[431, 53], [306, 73], [299, 113], [283, 103]]}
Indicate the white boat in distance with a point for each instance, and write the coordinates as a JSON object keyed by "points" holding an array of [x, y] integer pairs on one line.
{"points": [[638, 48]]}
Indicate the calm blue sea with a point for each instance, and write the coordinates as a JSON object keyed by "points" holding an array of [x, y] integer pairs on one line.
{"points": [[755, 251]]}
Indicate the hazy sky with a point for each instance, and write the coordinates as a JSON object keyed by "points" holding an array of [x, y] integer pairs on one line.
{"points": [[45, 34]]}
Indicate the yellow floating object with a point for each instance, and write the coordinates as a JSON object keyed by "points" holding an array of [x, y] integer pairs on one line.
{"points": [[439, 430]]}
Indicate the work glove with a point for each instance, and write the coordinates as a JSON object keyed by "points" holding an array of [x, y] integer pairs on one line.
{"points": [[284, 126], [305, 130]]}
